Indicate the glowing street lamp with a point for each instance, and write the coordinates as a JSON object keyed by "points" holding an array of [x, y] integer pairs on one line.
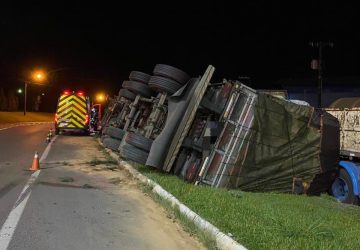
{"points": [[100, 97], [38, 77], [19, 91]]}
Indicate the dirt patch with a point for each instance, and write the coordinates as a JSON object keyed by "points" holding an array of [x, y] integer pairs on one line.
{"points": [[154, 224], [87, 186], [66, 179], [115, 180]]}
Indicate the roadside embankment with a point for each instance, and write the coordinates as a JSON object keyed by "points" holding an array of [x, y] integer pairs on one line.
{"points": [[16, 117], [267, 220], [10, 119]]}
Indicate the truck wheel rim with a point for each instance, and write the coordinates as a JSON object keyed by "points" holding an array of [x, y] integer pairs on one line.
{"points": [[340, 189]]}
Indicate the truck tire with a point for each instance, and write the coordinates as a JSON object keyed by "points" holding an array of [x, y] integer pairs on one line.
{"points": [[171, 72], [162, 84], [104, 130], [116, 133], [342, 189], [180, 162], [138, 88], [132, 153], [103, 137], [139, 141], [139, 76], [111, 122], [111, 143], [127, 94]]}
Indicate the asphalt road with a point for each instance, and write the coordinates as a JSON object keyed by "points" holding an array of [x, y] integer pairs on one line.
{"points": [[17, 149], [80, 199]]}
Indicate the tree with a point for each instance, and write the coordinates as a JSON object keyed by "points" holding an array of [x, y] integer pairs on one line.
{"points": [[12, 103], [3, 100]]}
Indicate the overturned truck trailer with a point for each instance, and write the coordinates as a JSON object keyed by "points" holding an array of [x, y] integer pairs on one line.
{"points": [[271, 144], [265, 144]]}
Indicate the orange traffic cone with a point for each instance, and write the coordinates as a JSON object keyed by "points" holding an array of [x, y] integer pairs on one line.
{"points": [[35, 164]]}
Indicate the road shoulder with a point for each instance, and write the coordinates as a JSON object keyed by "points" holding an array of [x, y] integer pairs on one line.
{"points": [[83, 198]]}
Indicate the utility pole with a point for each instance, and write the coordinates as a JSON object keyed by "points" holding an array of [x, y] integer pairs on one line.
{"points": [[317, 65]]}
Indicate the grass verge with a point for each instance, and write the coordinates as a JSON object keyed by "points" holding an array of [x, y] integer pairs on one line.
{"points": [[174, 214], [269, 220], [15, 117]]}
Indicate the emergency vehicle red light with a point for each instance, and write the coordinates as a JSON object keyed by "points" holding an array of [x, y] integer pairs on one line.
{"points": [[66, 92], [80, 93]]}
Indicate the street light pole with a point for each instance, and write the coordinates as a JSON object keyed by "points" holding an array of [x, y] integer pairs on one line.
{"points": [[37, 77], [318, 66]]}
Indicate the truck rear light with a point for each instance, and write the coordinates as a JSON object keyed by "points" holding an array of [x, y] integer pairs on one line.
{"points": [[86, 119], [56, 117]]}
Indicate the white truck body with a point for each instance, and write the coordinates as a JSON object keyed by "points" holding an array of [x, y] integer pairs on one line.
{"points": [[349, 130]]}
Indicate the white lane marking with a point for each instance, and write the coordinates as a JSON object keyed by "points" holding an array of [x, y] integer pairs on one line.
{"points": [[9, 227], [47, 149], [24, 124]]}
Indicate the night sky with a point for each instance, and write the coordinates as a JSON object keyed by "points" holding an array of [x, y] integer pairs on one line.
{"points": [[95, 46]]}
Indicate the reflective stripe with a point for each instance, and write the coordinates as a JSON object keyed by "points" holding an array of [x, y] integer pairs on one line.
{"points": [[73, 121], [67, 98], [67, 116], [73, 103], [63, 97], [72, 100], [70, 106], [81, 106], [71, 115], [72, 110], [82, 97]]}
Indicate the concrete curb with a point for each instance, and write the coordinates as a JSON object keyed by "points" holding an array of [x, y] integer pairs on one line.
{"points": [[223, 241]]}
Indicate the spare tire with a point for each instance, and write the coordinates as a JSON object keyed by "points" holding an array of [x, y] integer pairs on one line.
{"points": [[132, 153], [139, 76], [139, 141], [162, 84], [111, 143], [127, 94], [117, 133], [138, 88], [171, 72]]}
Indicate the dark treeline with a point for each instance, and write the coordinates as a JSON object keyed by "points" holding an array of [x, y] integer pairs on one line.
{"points": [[9, 100]]}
